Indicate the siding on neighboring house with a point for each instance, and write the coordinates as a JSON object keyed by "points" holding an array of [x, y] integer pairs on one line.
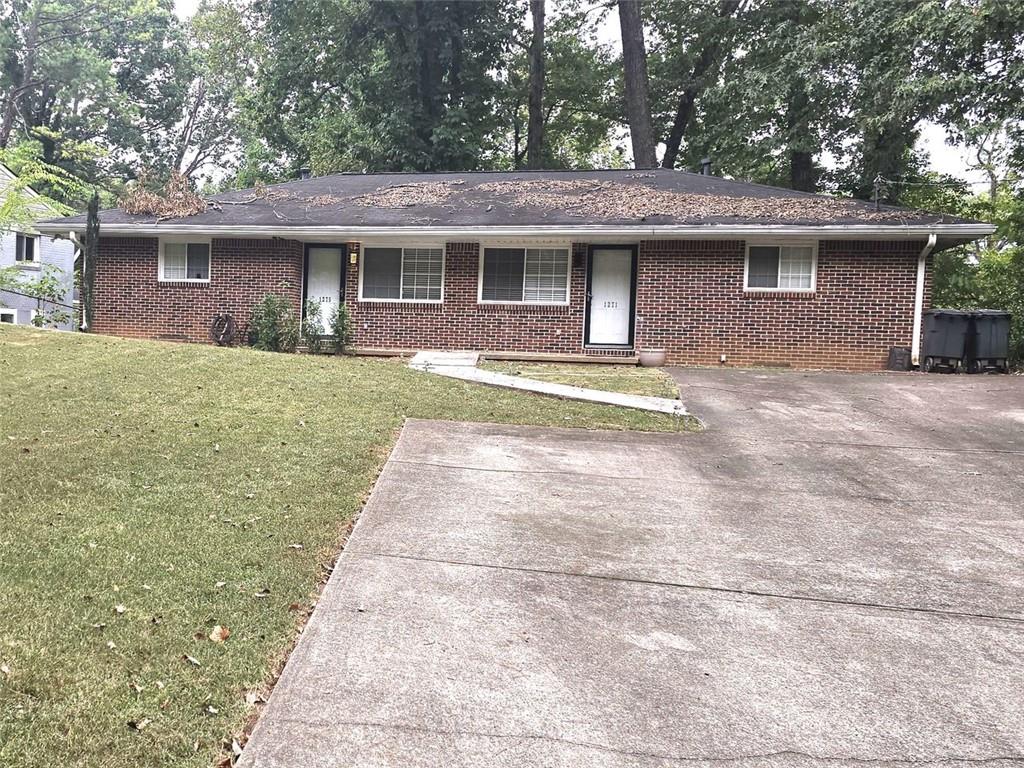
{"points": [[690, 300], [53, 252]]}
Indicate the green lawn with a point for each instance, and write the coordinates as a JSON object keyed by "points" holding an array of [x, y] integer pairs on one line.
{"points": [[150, 492], [630, 379]]}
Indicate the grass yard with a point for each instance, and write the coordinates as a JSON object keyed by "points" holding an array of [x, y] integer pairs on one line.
{"points": [[631, 379], [150, 492]]}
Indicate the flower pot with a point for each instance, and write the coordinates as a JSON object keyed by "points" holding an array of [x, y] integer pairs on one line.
{"points": [[652, 358]]}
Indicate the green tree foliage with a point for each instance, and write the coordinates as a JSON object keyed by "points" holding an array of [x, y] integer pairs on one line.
{"points": [[776, 84], [582, 99], [102, 75], [359, 85], [988, 274]]}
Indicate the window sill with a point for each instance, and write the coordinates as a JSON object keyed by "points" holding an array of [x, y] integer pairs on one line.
{"points": [[398, 305], [29, 266], [161, 281], [518, 308], [400, 301], [774, 293]]}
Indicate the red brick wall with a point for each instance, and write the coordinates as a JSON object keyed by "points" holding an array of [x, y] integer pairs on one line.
{"points": [[130, 301], [690, 300], [461, 323]]}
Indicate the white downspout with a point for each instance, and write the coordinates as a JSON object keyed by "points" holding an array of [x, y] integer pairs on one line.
{"points": [[915, 342]]}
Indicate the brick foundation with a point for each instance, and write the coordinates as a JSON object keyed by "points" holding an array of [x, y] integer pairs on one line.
{"points": [[690, 300]]}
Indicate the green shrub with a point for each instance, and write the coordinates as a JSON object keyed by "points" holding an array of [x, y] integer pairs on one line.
{"points": [[273, 325], [313, 328], [341, 328]]}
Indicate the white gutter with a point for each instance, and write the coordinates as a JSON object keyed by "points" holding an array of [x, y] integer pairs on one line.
{"points": [[356, 233], [922, 258]]}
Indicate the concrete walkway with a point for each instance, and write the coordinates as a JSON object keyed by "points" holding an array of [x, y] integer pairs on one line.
{"points": [[463, 365]]}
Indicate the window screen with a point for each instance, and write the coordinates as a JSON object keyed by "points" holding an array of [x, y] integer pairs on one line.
{"points": [[382, 273], [547, 275], [763, 267], [503, 274], [175, 263], [198, 261], [796, 267], [421, 274]]}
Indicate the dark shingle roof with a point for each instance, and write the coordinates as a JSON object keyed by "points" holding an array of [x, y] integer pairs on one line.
{"points": [[528, 198]]}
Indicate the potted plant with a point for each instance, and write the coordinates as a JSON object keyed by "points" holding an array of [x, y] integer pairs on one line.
{"points": [[652, 358]]}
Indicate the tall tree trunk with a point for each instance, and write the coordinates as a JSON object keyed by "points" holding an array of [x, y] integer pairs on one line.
{"points": [[802, 175], [638, 99], [801, 171], [535, 124], [426, 48], [90, 252], [885, 154], [709, 55]]}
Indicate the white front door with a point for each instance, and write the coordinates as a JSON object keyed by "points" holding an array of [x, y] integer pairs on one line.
{"points": [[611, 295], [323, 281]]}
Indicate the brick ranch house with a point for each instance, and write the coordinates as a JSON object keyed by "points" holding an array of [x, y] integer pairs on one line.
{"points": [[559, 263]]}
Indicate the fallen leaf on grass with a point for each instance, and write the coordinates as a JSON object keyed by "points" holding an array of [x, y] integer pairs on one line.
{"points": [[265, 592], [111, 645], [138, 725], [236, 748], [251, 697], [136, 687], [220, 584], [6, 670], [211, 710], [119, 609], [294, 546], [220, 634], [191, 660]]}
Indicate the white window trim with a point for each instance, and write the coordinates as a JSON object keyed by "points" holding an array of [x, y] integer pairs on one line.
{"points": [[13, 313], [812, 244], [186, 240], [401, 271], [34, 262], [525, 246]]}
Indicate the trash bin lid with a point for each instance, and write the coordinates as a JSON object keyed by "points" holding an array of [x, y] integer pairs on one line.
{"points": [[991, 312], [949, 312]]}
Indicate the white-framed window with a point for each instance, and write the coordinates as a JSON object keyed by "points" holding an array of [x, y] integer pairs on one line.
{"points": [[523, 275], [781, 267], [26, 248], [401, 273], [9, 316], [184, 261]]}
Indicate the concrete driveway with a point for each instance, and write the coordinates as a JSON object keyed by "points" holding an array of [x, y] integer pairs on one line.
{"points": [[833, 571]]}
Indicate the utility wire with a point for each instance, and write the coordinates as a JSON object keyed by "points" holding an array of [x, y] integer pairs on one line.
{"points": [[37, 298]]}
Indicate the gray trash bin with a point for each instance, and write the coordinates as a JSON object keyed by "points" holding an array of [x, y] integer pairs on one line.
{"points": [[988, 341], [945, 340]]}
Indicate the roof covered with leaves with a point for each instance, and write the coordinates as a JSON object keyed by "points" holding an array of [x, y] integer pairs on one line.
{"points": [[522, 198]]}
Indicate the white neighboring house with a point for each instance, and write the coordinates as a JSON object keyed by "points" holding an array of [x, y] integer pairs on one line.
{"points": [[29, 251]]}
